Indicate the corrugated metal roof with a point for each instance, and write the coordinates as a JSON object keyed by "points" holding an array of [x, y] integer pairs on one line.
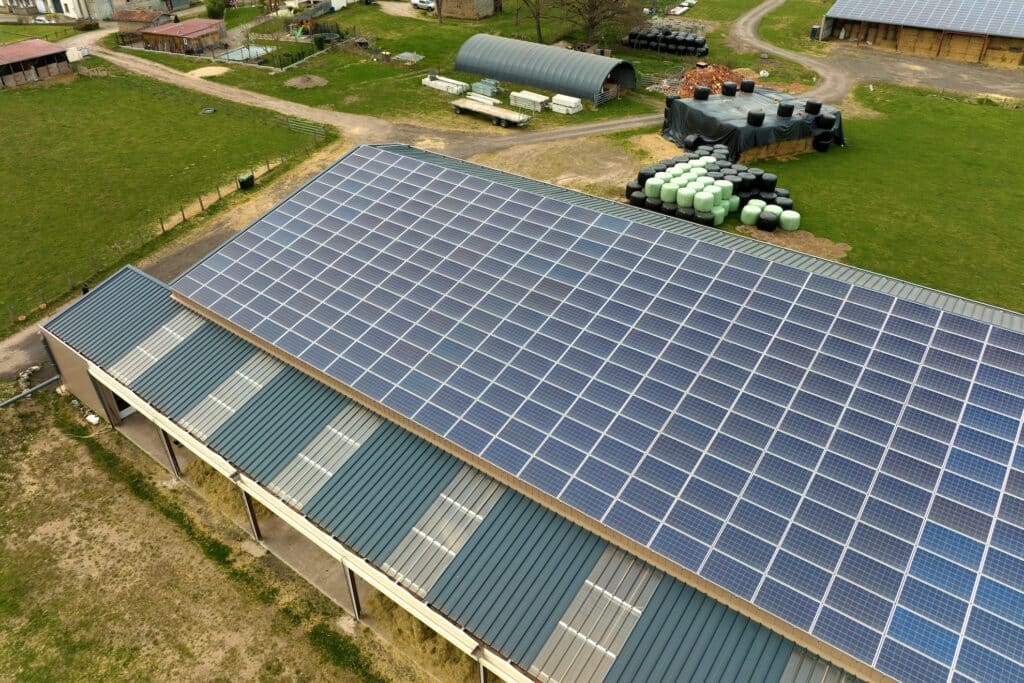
{"points": [[840, 271], [565, 71], [984, 17], [186, 29], [24, 50], [531, 584]]}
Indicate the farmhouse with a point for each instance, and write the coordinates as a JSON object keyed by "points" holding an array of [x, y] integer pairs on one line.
{"points": [[986, 31], [586, 442], [29, 61], [192, 36], [567, 72]]}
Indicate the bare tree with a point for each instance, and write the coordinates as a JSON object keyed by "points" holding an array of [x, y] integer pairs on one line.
{"points": [[536, 10], [597, 18], [439, 11]]}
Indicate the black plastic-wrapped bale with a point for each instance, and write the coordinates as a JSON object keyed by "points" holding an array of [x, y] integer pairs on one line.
{"points": [[767, 197], [782, 192], [755, 117], [729, 89], [747, 180], [701, 92], [669, 208], [767, 182], [692, 141], [783, 202], [812, 107], [822, 142], [637, 198], [747, 85], [704, 217], [785, 109], [825, 122], [633, 186], [767, 221], [687, 213], [645, 174], [652, 203]]}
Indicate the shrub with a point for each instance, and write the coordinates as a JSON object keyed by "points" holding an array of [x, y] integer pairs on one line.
{"points": [[215, 9]]}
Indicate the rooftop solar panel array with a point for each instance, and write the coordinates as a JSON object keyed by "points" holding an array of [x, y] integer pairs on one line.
{"points": [[984, 17], [848, 461]]}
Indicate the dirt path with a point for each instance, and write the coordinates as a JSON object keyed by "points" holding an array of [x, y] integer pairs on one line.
{"points": [[400, 8], [845, 65], [833, 81]]}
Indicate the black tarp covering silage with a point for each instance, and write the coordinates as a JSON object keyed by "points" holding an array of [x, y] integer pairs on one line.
{"points": [[723, 120]]}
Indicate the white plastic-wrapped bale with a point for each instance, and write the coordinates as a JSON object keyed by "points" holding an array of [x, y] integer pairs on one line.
{"points": [[448, 85], [529, 100], [564, 104]]}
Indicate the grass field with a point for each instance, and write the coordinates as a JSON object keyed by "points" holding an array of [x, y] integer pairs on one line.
{"points": [[236, 16], [124, 152], [925, 193], [10, 33], [114, 571], [790, 25]]}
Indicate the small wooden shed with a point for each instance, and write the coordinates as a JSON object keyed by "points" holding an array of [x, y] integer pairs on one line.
{"points": [[28, 61], [192, 36]]}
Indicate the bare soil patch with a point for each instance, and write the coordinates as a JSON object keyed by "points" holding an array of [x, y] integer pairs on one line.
{"points": [[595, 165], [306, 82], [654, 147], [207, 71], [800, 240], [403, 9]]}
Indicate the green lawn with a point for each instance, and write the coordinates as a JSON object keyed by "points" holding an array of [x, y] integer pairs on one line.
{"points": [[790, 25], [236, 16], [10, 33], [124, 152], [916, 198]]}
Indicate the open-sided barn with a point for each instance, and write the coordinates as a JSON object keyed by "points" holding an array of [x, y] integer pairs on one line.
{"points": [[585, 442], [986, 31]]}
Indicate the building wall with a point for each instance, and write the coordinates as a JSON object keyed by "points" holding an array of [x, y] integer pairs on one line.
{"points": [[960, 47], [467, 9], [74, 373], [13, 75]]}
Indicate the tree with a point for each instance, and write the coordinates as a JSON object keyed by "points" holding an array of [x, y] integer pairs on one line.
{"points": [[596, 19], [215, 9], [535, 8], [439, 11]]}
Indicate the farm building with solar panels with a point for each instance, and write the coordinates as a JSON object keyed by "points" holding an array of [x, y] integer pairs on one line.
{"points": [[986, 31], [587, 442]]}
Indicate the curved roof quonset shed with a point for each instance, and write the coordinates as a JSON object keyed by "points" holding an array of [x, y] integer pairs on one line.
{"points": [[553, 68]]}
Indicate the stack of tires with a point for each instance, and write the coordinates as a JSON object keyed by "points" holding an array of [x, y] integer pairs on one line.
{"points": [[667, 41], [703, 186]]}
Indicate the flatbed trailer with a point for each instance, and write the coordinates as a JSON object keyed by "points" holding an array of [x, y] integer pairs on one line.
{"points": [[499, 116]]}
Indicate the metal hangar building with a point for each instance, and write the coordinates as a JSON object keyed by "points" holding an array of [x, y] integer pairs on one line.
{"points": [[586, 442]]}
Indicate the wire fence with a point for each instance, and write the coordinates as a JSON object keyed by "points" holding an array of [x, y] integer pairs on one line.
{"points": [[58, 33], [65, 279], [153, 227]]}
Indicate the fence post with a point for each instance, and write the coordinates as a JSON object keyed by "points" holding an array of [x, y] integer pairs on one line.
{"points": [[183, 219], [218, 193], [201, 203], [162, 229]]}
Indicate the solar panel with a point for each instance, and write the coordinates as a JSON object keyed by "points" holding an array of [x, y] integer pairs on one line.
{"points": [[984, 17], [846, 460]]}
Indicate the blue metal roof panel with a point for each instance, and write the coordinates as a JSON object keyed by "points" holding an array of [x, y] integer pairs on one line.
{"points": [[108, 322], [685, 635], [516, 576], [380, 492], [291, 410]]}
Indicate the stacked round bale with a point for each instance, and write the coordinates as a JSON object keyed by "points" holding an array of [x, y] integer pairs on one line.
{"points": [[668, 41], [703, 186]]}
